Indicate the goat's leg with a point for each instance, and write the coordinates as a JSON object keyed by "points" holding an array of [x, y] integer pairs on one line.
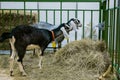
{"points": [[12, 57], [40, 59], [21, 68], [12, 62], [40, 62], [21, 53]]}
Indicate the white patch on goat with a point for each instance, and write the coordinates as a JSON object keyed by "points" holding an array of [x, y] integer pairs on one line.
{"points": [[21, 69], [73, 25], [32, 46], [40, 59], [64, 33], [40, 62], [12, 57]]}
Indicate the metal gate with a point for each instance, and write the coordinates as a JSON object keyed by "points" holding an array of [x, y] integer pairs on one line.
{"points": [[111, 16], [54, 12]]}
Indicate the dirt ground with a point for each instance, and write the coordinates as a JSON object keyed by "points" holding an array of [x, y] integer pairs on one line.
{"points": [[49, 71], [4, 75]]}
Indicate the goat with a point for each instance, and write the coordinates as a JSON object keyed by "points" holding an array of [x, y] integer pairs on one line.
{"points": [[48, 26], [22, 36]]}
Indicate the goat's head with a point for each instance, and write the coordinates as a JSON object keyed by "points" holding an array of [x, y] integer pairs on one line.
{"points": [[73, 24], [101, 26]]}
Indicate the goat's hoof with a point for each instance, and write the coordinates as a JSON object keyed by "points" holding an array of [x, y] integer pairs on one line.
{"points": [[23, 74], [11, 73], [40, 67], [100, 78]]}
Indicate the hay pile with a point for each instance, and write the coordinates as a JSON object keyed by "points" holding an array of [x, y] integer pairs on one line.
{"points": [[14, 19], [85, 59]]}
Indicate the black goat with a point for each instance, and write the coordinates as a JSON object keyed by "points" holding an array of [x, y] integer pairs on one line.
{"points": [[23, 35]]}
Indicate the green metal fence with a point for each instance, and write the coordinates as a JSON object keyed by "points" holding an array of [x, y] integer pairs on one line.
{"points": [[58, 14], [112, 31]]}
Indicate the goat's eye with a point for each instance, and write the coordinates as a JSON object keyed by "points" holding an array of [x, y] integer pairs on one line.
{"points": [[76, 22]]}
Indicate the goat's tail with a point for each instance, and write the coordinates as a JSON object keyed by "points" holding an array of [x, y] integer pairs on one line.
{"points": [[5, 35]]}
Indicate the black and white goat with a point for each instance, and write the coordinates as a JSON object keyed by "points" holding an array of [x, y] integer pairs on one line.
{"points": [[22, 36]]}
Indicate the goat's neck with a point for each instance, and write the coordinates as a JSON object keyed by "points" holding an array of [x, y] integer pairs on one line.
{"points": [[57, 32]]}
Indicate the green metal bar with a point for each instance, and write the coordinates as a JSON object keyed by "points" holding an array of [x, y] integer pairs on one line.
{"points": [[118, 34], [105, 19], [59, 44], [3, 27], [31, 15], [67, 20], [91, 24], [83, 23], [108, 24], [17, 14], [51, 0], [68, 15], [46, 16], [113, 45], [3, 22], [30, 12], [76, 10], [38, 11], [76, 17], [104, 12], [24, 12], [100, 16], [117, 39], [10, 20], [60, 12], [38, 15], [112, 48], [53, 9], [110, 32], [114, 31], [54, 16]]}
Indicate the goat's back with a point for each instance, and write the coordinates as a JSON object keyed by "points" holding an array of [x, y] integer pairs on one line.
{"points": [[31, 35]]}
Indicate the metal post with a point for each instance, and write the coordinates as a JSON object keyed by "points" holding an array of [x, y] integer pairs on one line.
{"points": [[118, 44], [24, 12], [59, 44], [0, 5], [76, 17], [38, 11], [104, 12], [100, 9], [118, 3], [83, 24]]}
